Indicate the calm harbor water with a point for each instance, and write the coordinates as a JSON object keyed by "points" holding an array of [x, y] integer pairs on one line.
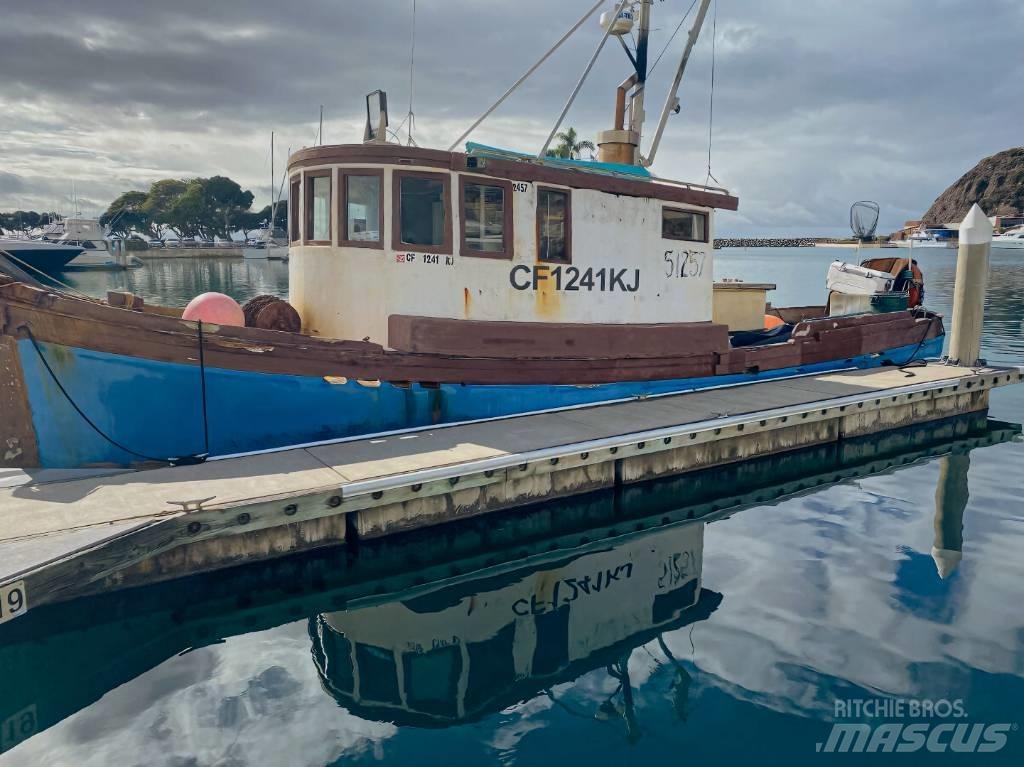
{"points": [[563, 634]]}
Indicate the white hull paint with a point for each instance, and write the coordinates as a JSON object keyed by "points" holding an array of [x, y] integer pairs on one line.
{"points": [[919, 244]]}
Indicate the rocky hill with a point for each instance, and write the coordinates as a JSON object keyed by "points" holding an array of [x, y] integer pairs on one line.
{"points": [[996, 184]]}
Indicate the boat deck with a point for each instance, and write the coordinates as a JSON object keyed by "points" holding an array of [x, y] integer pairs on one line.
{"points": [[65, 535]]}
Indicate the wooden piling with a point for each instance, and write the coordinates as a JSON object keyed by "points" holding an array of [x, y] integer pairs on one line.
{"points": [[969, 290]]}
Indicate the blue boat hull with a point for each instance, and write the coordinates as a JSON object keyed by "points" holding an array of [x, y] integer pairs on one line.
{"points": [[153, 410]]}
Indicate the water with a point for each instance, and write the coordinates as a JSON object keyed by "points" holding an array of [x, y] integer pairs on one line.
{"points": [[175, 281], [727, 640]]}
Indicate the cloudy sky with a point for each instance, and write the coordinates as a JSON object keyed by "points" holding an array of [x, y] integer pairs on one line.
{"points": [[818, 103]]}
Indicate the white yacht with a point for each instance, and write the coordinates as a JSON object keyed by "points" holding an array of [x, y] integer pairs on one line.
{"points": [[89, 234], [929, 238], [1011, 239]]}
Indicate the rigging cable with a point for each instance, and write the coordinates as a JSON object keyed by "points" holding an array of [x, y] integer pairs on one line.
{"points": [[711, 98], [671, 38]]}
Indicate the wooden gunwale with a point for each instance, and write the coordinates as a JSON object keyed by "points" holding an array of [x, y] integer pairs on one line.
{"points": [[511, 170], [80, 323]]}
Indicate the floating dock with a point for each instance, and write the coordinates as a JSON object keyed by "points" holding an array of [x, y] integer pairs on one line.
{"points": [[64, 539]]}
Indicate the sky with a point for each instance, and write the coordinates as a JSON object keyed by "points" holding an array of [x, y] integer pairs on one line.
{"points": [[817, 103]]}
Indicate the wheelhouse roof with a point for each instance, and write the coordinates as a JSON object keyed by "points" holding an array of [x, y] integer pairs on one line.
{"points": [[512, 167]]}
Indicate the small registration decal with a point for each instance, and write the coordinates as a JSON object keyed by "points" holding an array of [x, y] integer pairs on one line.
{"points": [[13, 601]]}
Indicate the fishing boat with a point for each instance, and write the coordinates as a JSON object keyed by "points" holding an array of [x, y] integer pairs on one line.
{"points": [[434, 286], [456, 654]]}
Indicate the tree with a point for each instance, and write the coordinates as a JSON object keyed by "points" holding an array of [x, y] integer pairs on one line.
{"points": [[24, 221], [570, 145], [209, 207], [127, 214], [159, 201]]}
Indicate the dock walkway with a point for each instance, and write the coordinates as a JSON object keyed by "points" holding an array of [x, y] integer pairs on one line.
{"points": [[61, 539]]}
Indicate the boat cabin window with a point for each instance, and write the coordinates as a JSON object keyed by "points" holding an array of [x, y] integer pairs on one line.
{"points": [[293, 212], [423, 214], [318, 207], [362, 208], [486, 217], [554, 226], [688, 225]]}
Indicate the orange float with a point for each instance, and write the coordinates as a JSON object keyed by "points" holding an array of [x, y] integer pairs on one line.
{"points": [[215, 308]]}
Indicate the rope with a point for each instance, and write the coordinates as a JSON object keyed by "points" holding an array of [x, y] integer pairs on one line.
{"points": [[912, 362], [202, 386], [181, 461], [711, 98], [69, 288]]}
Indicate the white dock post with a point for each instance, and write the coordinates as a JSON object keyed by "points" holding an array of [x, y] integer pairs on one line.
{"points": [[970, 287]]}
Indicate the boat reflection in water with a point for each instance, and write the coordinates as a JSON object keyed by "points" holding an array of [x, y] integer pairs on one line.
{"points": [[458, 653]]}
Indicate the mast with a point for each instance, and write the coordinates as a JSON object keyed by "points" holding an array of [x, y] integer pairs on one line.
{"points": [[636, 108], [671, 102], [273, 197], [621, 144]]}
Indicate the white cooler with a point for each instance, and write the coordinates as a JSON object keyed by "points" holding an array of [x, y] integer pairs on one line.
{"points": [[852, 280]]}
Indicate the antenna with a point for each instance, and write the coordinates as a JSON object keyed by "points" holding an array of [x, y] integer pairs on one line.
{"points": [[320, 133], [410, 118]]}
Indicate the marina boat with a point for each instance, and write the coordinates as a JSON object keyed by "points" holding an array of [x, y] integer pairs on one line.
{"points": [[436, 286], [929, 238], [269, 244], [1012, 239], [39, 255], [98, 252]]}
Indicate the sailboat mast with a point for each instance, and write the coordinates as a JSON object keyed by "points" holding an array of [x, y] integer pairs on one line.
{"points": [[273, 198]]}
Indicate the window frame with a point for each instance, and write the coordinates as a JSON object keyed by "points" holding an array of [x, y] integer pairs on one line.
{"points": [[307, 179], [343, 241], [701, 213], [568, 222], [445, 248], [506, 186], [294, 197]]}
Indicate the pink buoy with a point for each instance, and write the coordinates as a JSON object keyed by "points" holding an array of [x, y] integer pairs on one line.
{"points": [[215, 308]]}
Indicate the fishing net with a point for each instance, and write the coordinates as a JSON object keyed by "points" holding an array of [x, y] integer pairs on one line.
{"points": [[864, 219]]}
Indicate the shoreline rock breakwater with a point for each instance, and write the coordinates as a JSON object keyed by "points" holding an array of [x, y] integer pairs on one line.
{"points": [[772, 242]]}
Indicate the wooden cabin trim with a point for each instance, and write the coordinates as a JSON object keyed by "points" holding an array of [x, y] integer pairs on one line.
{"points": [[18, 443], [515, 340], [568, 224], [294, 195], [510, 170], [88, 324], [343, 241], [701, 213], [509, 221], [307, 178], [445, 248]]}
